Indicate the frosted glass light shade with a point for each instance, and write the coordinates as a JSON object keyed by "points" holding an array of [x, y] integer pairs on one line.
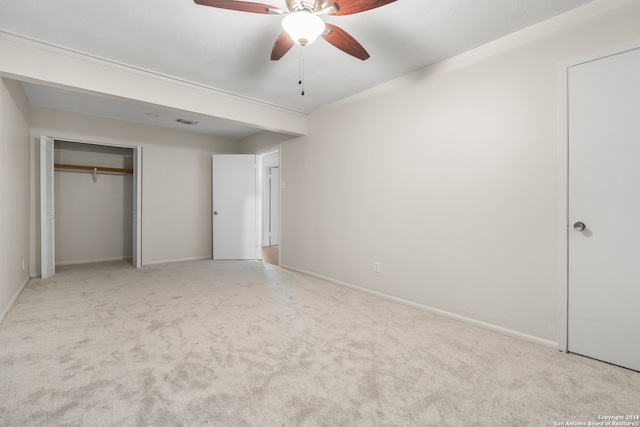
{"points": [[303, 27]]}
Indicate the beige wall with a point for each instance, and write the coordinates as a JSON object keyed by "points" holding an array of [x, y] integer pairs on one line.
{"points": [[176, 180], [263, 141], [14, 192], [448, 178]]}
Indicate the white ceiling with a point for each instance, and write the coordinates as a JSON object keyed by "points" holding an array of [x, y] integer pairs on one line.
{"points": [[229, 50]]}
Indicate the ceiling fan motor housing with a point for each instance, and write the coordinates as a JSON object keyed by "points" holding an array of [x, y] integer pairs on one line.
{"points": [[305, 5]]}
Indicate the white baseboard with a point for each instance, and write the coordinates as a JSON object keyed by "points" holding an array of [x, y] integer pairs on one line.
{"points": [[166, 261], [90, 261], [494, 328], [4, 312]]}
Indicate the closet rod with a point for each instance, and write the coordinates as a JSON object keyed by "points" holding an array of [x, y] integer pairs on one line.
{"points": [[91, 168]]}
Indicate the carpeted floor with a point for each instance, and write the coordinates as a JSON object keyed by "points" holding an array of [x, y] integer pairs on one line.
{"points": [[250, 344]]}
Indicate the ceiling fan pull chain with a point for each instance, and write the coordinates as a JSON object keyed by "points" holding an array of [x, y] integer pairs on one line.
{"points": [[301, 81]]}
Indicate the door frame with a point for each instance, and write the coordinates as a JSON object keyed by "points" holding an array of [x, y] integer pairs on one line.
{"points": [[137, 152], [563, 181], [260, 155], [274, 193]]}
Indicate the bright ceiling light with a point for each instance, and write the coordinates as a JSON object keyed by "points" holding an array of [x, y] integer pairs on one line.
{"points": [[303, 27]]}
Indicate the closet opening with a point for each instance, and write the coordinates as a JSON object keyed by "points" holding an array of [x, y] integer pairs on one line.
{"points": [[95, 203]]}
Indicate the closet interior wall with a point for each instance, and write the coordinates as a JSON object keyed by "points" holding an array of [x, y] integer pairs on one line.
{"points": [[93, 211]]}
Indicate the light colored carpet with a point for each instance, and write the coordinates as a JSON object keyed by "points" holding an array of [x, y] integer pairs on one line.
{"points": [[250, 344]]}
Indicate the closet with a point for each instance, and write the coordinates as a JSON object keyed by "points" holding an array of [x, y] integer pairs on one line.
{"points": [[93, 202]]}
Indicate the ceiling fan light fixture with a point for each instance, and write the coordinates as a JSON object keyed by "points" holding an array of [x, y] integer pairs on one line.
{"points": [[303, 27]]}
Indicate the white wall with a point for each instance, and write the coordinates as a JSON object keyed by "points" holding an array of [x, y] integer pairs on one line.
{"points": [[448, 178], [176, 180], [93, 219], [14, 192]]}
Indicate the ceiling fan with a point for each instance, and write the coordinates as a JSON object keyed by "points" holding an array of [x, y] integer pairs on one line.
{"points": [[302, 24]]}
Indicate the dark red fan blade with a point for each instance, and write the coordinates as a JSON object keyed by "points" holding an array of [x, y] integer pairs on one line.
{"points": [[343, 41], [243, 6], [348, 7], [282, 46]]}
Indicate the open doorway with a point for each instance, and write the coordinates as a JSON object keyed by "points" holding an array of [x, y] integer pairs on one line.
{"points": [[269, 167]]}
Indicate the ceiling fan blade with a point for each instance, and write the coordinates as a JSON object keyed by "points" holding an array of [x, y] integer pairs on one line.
{"points": [[348, 7], [282, 46], [343, 41], [243, 6]]}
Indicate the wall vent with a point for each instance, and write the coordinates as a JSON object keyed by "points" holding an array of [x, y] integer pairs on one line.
{"points": [[187, 122]]}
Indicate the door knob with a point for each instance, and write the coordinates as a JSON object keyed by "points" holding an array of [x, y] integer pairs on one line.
{"points": [[579, 226]]}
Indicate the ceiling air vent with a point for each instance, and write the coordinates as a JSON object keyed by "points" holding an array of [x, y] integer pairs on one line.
{"points": [[187, 122]]}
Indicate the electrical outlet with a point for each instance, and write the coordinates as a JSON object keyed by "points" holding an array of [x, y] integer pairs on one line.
{"points": [[376, 267]]}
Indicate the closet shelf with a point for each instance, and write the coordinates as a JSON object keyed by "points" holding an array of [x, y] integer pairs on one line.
{"points": [[62, 166]]}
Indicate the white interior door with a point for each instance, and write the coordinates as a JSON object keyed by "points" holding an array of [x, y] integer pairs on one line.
{"points": [[137, 207], [234, 206], [274, 206], [47, 213], [604, 194]]}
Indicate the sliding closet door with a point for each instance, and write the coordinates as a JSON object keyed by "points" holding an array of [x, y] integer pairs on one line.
{"points": [[47, 224], [137, 207]]}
